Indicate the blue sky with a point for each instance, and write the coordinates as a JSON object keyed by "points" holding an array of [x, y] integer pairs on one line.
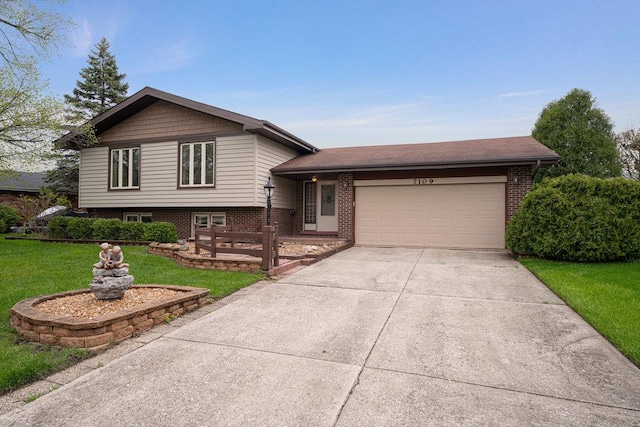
{"points": [[346, 73]]}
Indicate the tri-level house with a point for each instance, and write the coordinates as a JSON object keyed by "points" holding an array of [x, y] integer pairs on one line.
{"points": [[161, 157]]}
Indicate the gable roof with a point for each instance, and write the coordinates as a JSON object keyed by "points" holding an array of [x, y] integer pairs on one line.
{"points": [[512, 151], [22, 181], [147, 96]]}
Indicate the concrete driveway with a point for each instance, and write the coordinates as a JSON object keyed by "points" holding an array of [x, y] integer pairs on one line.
{"points": [[370, 336]]}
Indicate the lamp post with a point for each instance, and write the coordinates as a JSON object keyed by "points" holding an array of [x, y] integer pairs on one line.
{"points": [[268, 191]]}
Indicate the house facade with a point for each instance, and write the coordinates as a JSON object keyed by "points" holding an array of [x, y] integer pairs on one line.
{"points": [[161, 157]]}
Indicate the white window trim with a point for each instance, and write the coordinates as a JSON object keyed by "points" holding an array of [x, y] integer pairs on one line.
{"points": [[203, 162], [209, 216], [130, 172], [139, 215]]}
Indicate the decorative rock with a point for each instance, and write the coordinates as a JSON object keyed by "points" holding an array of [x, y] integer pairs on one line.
{"points": [[114, 272], [110, 287], [110, 283]]}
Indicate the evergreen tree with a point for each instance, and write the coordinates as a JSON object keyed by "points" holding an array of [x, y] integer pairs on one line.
{"points": [[581, 133], [101, 87]]}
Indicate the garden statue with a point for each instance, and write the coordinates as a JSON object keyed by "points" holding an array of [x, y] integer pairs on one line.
{"points": [[110, 275]]}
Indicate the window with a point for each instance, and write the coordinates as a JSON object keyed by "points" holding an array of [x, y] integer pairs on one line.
{"points": [[137, 217], [197, 164], [310, 202], [125, 168], [205, 219]]}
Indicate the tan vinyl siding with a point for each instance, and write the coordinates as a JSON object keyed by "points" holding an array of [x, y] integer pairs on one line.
{"points": [[269, 155], [234, 175], [163, 119], [94, 174]]}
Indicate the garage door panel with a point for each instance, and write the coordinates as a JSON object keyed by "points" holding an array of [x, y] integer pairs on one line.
{"points": [[458, 215]]}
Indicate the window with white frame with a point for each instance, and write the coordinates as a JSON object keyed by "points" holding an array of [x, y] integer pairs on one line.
{"points": [[125, 168], [197, 164], [205, 219], [137, 217]]}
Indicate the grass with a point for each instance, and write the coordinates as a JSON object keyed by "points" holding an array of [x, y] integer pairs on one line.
{"points": [[31, 268], [605, 295]]}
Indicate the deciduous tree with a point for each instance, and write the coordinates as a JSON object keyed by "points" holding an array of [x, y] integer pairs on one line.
{"points": [[581, 133], [629, 147], [29, 118]]}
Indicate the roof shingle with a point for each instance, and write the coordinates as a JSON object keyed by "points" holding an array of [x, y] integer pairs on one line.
{"points": [[479, 152]]}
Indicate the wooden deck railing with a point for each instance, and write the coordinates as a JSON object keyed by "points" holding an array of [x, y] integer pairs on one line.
{"points": [[267, 238]]}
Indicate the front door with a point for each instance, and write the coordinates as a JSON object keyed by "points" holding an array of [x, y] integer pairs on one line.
{"points": [[321, 213]]}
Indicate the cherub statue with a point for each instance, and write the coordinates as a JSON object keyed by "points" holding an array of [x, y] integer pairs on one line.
{"points": [[116, 258], [104, 256]]}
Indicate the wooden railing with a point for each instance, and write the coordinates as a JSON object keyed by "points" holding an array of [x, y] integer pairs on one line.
{"points": [[267, 238]]}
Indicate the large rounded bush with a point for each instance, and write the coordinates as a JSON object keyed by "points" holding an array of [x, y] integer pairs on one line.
{"points": [[163, 232], [578, 218], [9, 217]]}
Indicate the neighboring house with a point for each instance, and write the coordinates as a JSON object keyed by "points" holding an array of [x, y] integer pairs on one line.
{"points": [[14, 185], [161, 157]]}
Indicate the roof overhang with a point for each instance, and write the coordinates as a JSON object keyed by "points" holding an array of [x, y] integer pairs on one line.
{"points": [[147, 96]]}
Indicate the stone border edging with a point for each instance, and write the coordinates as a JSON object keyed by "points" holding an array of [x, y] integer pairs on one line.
{"points": [[186, 259], [37, 326]]}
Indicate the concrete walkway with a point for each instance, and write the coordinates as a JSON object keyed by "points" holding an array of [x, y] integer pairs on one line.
{"points": [[370, 336]]}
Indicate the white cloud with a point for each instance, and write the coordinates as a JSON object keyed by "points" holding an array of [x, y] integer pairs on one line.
{"points": [[520, 94], [171, 56], [82, 39]]}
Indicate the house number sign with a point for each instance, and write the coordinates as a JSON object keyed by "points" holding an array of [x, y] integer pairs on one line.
{"points": [[422, 181]]}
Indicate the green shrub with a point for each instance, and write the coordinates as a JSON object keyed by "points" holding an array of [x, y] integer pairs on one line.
{"points": [[3, 226], [578, 218], [132, 231], [80, 228], [57, 227], [163, 232], [106, 229], [9, 216]]}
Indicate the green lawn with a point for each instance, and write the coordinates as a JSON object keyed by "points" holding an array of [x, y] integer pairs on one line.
{"points": [[606, 295], [33, 268]]}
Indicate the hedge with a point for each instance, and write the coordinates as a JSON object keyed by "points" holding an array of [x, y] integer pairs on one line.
{"points": [[163, 232], [578, 218], [9, 218], [80, 228], [111, 229]]}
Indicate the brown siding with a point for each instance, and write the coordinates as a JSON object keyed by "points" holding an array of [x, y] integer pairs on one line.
{"points": [[163, 119], [432, 173]]}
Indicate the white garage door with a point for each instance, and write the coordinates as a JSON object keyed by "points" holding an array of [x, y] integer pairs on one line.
{"points": [[447, 216]]}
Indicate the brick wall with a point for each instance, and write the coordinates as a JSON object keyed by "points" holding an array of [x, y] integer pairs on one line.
{"points": [[517, 190], [345, 206], [181, 217], [298, 219]]}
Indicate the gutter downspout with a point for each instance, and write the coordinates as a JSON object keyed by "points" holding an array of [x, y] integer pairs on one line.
{"points": [[536, 168]]}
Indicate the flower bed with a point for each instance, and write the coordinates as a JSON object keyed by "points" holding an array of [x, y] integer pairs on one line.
{"points": [[98, 332]]}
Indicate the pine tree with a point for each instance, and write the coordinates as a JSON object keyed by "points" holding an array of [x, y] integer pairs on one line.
{"points": [[101, 86]]}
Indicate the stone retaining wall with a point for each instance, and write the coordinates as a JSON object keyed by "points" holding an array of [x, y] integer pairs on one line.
{"points": [[186, 259], [37, 326]]}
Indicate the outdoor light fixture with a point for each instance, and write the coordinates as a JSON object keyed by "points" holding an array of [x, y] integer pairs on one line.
{"points": [[314, 178], [515, 180], [268, 191]]}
